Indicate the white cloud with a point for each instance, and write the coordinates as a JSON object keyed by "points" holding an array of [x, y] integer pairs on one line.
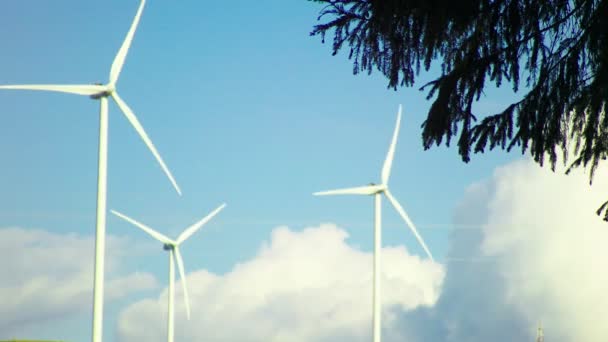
{"points": [[554, 253], [541, 255], [48, 276], [301, 286]]}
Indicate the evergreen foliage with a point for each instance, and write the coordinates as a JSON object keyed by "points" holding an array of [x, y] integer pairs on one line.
{"points": [[557, 48]]}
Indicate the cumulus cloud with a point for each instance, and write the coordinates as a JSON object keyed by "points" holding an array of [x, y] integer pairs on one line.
{"points": [[49, 276], [539, 253], [307, 285]]}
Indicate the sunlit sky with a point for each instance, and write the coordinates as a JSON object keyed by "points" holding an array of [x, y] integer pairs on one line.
{"points": [[245, 108]]}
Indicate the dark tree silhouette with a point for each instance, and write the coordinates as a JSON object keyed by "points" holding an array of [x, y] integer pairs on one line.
{"points": [[558, 49]]}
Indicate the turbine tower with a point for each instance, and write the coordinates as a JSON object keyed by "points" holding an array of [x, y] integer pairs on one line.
{"points": [[101, 93], [377, 191], [172, 246], [540, 336]]}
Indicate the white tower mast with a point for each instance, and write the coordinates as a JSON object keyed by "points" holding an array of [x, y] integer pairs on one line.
{"points": [[540, 336]]}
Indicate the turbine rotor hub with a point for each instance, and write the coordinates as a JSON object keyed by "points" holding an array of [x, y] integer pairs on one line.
{"points": [[106, 93], [381, 188]]}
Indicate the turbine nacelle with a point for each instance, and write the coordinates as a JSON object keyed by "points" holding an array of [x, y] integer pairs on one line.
{"points": [[378, 188], [98, 96], [108, 90], [168, 247]]}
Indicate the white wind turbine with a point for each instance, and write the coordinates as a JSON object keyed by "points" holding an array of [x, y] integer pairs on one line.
{"points": [[377, 191], [101, 93], [173, 247]]}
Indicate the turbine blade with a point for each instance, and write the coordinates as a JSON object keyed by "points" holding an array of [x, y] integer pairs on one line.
{"points": [[182, 275], [142, 133], [409, 222], [388, 162], [119, 60], [193, 228], [79, 89], [361, 190], [158, 236]]}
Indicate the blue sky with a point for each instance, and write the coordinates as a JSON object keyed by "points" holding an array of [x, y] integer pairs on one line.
{"points": [[245, 108]]}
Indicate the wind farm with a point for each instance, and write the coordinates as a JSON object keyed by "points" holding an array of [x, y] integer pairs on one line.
{"points": [[238, 103]]}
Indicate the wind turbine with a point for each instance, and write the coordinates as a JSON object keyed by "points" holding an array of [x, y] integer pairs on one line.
{"points": [[173, 247], [102, 92], [377, 190]]}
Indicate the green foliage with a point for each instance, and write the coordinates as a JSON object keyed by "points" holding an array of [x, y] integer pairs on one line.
{"points": [[559, 48]]}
